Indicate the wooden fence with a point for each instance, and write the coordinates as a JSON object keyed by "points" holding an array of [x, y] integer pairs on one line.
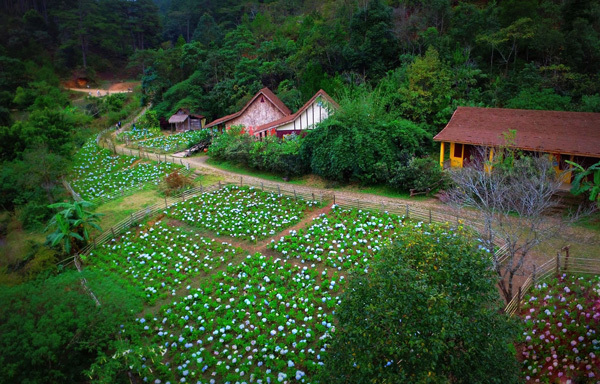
{"points": [[553, 267]]}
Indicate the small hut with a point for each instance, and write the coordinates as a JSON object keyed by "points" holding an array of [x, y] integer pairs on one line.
{"points": [[183, 120]]}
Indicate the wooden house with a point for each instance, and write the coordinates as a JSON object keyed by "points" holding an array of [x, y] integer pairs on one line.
{"points": [[571, 136], [317, 109], [263, 108], [183, 120]]}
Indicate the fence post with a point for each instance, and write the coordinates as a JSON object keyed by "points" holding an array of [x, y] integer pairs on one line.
{"points": [[113, 231], [357, 203], [557, 262], [407, 212], [321, 198], [519, 300], [241, 182], [295, 197], [429, 215], [313, 196], [334, 198], [533, 275], [278, 190], [166, 205], [183, 196], [262, 186], [201, 189], [94, 240], [219, 184], [566, 249], [131, 220], [382, 207]]}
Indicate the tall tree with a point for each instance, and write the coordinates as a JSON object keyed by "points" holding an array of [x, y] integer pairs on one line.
{"points": [[428, 312]]}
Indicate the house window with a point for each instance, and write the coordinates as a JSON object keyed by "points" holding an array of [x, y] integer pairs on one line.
{"points": [[457, 150]]}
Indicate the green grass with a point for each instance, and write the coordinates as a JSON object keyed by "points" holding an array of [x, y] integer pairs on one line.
{"points": [[242, 170], [118, 209], [316, 182]]}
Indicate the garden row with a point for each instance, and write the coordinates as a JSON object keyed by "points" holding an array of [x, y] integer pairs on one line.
{"points": [[97, 173], [160, 143]]}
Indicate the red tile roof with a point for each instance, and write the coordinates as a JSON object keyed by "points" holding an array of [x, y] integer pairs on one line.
{"points": [[573, 133], [287, 119], [266, 92]]}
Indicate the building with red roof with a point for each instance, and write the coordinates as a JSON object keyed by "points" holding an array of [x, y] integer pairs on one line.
{"points": [[571, 136], [263, 108], [315, 110], [266, 115]]}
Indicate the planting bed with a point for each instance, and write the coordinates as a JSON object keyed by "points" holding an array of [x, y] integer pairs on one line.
{"points": [[160, 258], [173, 143], [345, 239], [561, 342], [138, 133], [259, 321], [244, 213], [99, 173]]}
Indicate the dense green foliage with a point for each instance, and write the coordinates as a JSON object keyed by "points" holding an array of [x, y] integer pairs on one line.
{"points": [[428, 312], [361, 142], [52, 329], [433, 56], [72, 225]]}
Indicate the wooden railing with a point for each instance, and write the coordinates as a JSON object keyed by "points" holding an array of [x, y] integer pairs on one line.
{"points": [[553, 267]]}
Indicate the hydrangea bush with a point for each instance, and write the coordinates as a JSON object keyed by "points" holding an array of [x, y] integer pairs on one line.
{"points": [[160, 258], [174, 143], [245, 213], [345, 239], [561, 342], [138, 133], [258, 321], [99, 173]]}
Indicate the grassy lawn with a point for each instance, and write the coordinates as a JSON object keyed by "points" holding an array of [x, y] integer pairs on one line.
{"points": [[315, 181], [118, 209]]}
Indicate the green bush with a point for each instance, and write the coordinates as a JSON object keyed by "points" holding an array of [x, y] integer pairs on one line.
{"points": [[421, 174], [428, 312]]}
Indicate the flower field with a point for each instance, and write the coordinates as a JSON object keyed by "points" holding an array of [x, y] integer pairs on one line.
{"points": [[160, 259], [561, 342], [173, 143], [243, 213], [345, 239], [137, 133], [99, 173], [259, 321]]}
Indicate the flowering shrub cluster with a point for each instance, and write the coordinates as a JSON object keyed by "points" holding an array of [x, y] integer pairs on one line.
{"points": [[160, 259], [174, 143], [345, 239], [259, 321], [244, 213], [99, 173], [562, 341], [138, 133]]}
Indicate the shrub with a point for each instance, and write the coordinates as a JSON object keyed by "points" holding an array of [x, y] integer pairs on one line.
{"points": [[428, 312], [421, 174], [175, 182]]}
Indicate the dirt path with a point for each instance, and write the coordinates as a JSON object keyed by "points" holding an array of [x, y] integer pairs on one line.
{"points": [[569, 235], [124, 87]]}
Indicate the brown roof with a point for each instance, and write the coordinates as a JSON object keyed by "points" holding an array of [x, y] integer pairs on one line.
{"points": [[266, 92], [177, 119], [573, 133], [287, 119]]}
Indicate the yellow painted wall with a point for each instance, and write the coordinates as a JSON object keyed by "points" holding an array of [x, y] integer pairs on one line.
{"points": [[456, 161]]}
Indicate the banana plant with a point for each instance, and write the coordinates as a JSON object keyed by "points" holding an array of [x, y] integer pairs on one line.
{"points": [[582, 184], [71, 225]]}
